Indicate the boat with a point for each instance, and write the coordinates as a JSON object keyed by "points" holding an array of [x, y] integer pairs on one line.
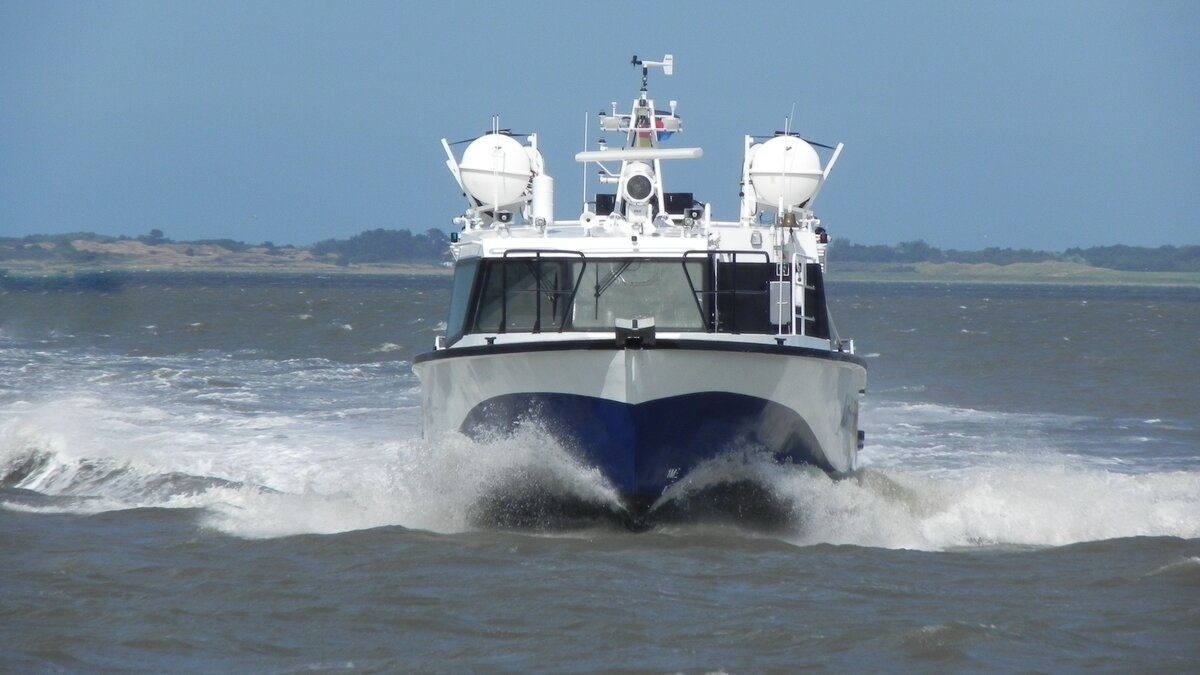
{"points": [[645, 336]]}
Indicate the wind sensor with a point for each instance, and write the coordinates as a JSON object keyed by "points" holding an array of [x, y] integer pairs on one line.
{"points": [[667, 65]]}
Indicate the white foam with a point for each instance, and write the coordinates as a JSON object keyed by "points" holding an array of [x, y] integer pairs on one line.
{"points": [[1047, 505], [426, 485], [387, 347], [274, 475], [1185, 567], [262, 461]]}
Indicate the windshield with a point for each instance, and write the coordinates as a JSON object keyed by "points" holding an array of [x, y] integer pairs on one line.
{"points": [[639, 289], [561, 291]]}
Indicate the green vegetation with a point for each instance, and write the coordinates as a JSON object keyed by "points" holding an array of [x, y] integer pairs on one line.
{"points": [[1047, 272], [1123, 258], [374, 246], [384, 250], [1162, 259], [371, 246]]}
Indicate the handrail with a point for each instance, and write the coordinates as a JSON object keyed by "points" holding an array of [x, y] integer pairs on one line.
{"points": [[536, 256], [800, 261], [717, 293]]}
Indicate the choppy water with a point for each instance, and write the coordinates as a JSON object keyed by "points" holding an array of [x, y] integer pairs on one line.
{"points": [[217, 474]]}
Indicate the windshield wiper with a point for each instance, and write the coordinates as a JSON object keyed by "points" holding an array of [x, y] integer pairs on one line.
{"points": [[600, 288]]}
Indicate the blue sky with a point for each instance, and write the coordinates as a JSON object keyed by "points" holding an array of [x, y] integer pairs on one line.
{"points": [[1045, 124]]}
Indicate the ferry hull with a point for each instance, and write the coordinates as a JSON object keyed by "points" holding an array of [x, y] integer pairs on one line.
{"points": [[646, 417]]}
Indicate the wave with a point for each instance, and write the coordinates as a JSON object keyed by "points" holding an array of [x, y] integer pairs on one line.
{"points": [[452, 485], [386, 347], [234, 441], [270, 476], [1015, 505], [43, 482], [283, 487]]}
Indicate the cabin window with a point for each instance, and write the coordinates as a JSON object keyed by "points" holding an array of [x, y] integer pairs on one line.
{"points": [[460, 297], [816, 312], [635, 289], [744, 302], [523, 295], [705, 292], [743, 297]]}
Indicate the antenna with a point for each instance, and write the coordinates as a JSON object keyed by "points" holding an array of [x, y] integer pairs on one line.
{"points": [[583, 169]]}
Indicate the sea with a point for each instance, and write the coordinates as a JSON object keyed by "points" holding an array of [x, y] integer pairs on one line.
{"points": [[211, 473]]}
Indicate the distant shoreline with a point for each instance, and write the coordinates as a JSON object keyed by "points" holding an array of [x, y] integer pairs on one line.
{"points": [[61, 257], [1043, 273], [87, 257], [61, 270]]}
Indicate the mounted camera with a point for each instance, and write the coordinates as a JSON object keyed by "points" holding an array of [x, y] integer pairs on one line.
{"points": [[637, 185]]}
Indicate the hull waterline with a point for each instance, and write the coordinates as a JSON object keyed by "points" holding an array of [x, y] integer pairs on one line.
{"points": [[645, 418]]}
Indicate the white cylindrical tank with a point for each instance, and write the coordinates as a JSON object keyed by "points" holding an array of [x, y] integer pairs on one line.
{"points": [[543, 199], [784, 168], [495, 170]]}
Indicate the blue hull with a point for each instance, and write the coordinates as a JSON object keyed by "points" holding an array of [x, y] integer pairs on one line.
{"points": [[642, 449]]}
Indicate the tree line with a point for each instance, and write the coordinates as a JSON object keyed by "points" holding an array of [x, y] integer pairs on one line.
{"points": [[1120, 257], [370, 246], [380, 245]]}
